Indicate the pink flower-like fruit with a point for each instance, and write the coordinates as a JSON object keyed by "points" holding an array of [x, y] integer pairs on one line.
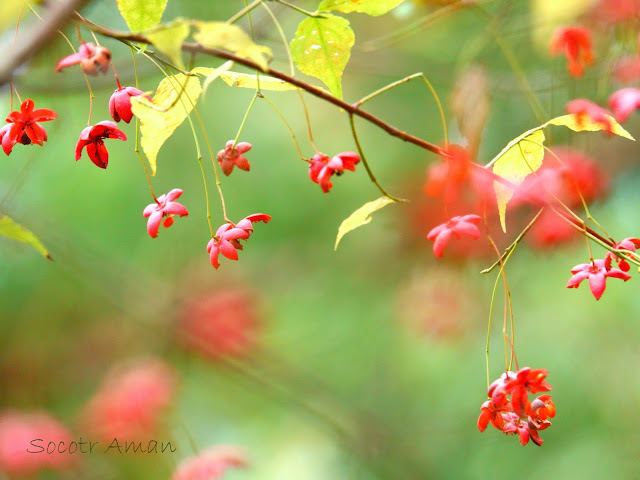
{"points": [[322, 168], [234, 157], [456, 227], [93, 60], [624, 102], [227, 238], [597, 273], [165, 206]]}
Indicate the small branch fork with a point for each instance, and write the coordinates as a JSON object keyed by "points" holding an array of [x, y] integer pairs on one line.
{"points": [[36, 37], [351, 109]]}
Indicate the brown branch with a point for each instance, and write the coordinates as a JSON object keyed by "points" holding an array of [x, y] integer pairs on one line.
{"points": [[318, 92], [36, 37]]}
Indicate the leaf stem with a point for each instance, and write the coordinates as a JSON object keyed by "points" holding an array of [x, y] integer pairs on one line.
{"points": [[137, 145], [292, 73], [244, 11], [301, 10], [406, 80], [244, 120], [293, 136], [366, 164]]}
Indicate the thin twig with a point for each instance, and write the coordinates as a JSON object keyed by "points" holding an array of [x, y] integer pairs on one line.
{"points": [[315, 91]]}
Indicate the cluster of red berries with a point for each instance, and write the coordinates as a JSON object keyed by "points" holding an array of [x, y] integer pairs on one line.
{"points": [[508, 408]]}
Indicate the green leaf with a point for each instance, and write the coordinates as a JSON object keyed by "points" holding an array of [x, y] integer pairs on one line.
{"points": [[11, 229], [168, 39], [322, 47], [142, 14], [172, 103], [372, 7], [524, 154], [361, 217], [234, 39]]}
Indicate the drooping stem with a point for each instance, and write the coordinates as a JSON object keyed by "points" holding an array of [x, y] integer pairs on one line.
{"points": [[300, 10], [513, 246], [137, 146], [366, 164], [244, 120], [244, 11], [406, 80], [283, 38], [284, 120]]}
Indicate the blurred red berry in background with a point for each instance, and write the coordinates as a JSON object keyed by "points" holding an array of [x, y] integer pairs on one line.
{"points": [[18, 430], [131, 400], [220, 324], [210, 464], [575, 43]]}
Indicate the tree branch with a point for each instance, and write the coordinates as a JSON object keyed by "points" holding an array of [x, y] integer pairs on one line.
{"points": [[315, 91], [35, 37]]}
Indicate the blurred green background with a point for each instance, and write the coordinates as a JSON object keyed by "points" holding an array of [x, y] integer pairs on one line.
{"points": [[371, 359]]}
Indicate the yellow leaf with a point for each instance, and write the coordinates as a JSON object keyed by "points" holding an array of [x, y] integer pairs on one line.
{"points": [[524, 154], [11, 229], [211, 74], [245, 80], [174, 100], [372, 7], [587, 125], [234, 39], [519, 158], [9, 12], [361, 217], [168, 39]]}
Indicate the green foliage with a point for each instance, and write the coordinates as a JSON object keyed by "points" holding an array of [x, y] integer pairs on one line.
{"points": [[142, 14], [372, 7], [11, 229], [361, 217], [322, 47]]}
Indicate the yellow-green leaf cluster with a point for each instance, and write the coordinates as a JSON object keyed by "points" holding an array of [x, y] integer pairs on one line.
{"points": [[246, 80], [360, 217], [322, 47], [234, 39], [371, 7], [172, 103], [168, 39]]}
